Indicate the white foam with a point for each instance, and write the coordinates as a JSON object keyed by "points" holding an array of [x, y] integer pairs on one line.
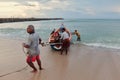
{"points": [[103, 45]]}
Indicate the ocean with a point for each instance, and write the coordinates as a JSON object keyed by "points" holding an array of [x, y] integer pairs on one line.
{"points": [[94, 32]]}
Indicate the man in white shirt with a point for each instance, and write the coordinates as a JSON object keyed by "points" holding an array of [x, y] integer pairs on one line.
{"points": [[32, 46], [65, 41]]}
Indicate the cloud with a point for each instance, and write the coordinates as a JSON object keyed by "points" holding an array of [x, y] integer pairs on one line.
{"points": [[52, 8], [115, 9], [42, 8], [17, 9], [89, 11], [8, 9]]}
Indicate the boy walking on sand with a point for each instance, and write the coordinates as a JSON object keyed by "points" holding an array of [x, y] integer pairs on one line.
{"points": [[33, 48]]}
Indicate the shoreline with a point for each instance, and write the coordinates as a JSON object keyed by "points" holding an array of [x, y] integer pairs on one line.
{"points": [[76, 43]]}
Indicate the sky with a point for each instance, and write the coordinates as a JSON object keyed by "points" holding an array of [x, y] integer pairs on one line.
{"points": [[60, 8]]}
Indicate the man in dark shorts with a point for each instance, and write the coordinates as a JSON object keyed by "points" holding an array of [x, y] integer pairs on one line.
{"points": [[65, 41], [78, 35]]}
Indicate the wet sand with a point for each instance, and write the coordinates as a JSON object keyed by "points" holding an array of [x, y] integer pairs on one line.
{"points": [[81, 63]]}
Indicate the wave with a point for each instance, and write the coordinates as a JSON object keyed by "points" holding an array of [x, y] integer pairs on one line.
{"points": [[113, 46]]}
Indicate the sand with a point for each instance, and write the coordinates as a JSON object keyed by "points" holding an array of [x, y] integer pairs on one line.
{"points": [[81, 63]]}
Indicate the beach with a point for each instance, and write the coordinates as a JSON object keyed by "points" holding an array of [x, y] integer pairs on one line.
{"points": [[82, 63]]}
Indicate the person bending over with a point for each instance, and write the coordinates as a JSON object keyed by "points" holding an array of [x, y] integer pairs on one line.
{"points": [[78, 35]]}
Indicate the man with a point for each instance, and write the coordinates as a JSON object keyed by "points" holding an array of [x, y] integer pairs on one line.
{"points": [[52, 31], [61, 27], [32, 46], [78, 35], [65, 41]]}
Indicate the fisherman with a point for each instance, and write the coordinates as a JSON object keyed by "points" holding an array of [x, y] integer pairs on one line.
{"points": [[61, 27], [65, 41], [52, 31], [77, 34], [33, 48]]}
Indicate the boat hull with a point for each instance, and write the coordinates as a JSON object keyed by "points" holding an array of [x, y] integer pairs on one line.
{"points": [[57, 45], [54, 47]]}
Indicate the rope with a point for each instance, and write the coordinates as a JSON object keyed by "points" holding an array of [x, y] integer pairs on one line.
{"points": [[13, 72], [24, 50], [16, 70]]}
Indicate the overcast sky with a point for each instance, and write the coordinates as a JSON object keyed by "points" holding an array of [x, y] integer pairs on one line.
{"points": [[60, 8]]}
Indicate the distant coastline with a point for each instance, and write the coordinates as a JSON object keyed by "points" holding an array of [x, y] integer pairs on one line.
{"points": [[7, 20]]}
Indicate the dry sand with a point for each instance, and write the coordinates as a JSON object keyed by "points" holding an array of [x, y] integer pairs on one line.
{"points": [[81, 63]]}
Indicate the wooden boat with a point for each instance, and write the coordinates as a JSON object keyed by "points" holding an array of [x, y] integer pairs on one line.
{"points": [[54, 39]]}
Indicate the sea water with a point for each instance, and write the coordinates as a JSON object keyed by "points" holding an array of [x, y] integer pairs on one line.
{"points": [[94, 32]]}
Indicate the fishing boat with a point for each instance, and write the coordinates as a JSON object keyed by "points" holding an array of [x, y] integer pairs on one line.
{"points": [[54, 39]]}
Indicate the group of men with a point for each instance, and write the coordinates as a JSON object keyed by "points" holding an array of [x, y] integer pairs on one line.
{"points": [[32, 46]]}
